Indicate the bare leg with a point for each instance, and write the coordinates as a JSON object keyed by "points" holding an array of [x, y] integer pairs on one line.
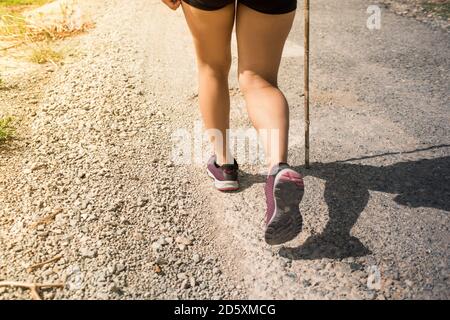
{"points": [[211, 31], [261, 38]]}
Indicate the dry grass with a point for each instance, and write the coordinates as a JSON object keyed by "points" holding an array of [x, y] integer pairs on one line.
{"points": [[15, 28], [43, 53], [17, 31]]}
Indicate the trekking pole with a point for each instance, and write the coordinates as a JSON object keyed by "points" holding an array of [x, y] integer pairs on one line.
{"points": [[306, 88]]}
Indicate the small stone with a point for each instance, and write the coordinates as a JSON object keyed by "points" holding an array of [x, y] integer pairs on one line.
{"points": [[356, 266], [161, 261], [157, 268], [141, 202], [120, 267], [216, 271], [183, 240], [196, 258], [156, 246], [306, 283], [374, 278], [111, 268], [114, 207], [87, 253], [192, 282], [115, 289], [185, 284], [169, 240], [182, 275]]}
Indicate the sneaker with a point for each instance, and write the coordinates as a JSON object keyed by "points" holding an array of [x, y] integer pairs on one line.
{"points": [[225, 176], [284, 190]]}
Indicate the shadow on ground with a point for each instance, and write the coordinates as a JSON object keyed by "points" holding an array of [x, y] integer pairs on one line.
{"points": [[421, 183]]}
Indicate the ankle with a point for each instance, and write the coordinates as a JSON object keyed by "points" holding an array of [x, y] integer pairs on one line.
{"points": [[274, 164], [222, 160]]}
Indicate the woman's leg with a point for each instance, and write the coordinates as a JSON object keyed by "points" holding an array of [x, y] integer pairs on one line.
{"points": [[261, 38], [211, 31]]}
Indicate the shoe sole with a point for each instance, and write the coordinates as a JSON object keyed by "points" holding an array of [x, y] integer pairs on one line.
{"points": [[286, 222], [223, 186]]}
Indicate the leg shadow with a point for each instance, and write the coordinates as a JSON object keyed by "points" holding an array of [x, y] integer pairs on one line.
{"points": [[421, 183]]}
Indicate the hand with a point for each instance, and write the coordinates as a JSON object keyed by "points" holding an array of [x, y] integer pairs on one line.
{"points": [[172, 4]]}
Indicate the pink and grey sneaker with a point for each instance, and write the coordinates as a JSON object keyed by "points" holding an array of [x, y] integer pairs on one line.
{"points": [[225, 176], [284, 190]]}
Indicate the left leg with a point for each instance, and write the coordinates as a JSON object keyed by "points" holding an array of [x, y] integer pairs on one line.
{"points": [[211, 31]]}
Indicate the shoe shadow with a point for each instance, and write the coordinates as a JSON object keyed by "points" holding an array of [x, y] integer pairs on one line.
{"points": [[422, 183], [246, 180]]}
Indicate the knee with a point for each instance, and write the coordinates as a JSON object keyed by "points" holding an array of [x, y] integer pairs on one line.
{"points": [[218, 70], [250, 80]]}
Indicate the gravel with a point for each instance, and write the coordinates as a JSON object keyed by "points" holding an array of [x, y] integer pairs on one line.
{"points": [[434, 13], [126, 230]]}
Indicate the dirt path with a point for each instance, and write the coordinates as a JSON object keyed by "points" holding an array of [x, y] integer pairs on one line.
{"points": [[129, 223]]}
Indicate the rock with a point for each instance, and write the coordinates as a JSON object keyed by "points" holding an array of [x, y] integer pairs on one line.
{"points": [[157, 269], [192, 282], [111, 268], [141, 202], [185, 284], [119, 268], [161, 261], [87, 253], [156, 246], [113, 288], [374, 279], [196, 258], [183, 240], [169, 240]]}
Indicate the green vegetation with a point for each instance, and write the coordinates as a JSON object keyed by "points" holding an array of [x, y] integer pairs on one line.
{"points": [[22, 2], [6, 131], [7, 3], [441, 9], [16, 6]]}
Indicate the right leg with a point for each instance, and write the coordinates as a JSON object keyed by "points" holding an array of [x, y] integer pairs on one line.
{"points": [[261, 38], [211, 31]]}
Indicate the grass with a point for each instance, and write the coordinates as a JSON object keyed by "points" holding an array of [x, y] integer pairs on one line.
{"points": [[43, 53], [440, 8], [6, 130], [22, 2], [12, 4], [16, 31], [17, 6]]}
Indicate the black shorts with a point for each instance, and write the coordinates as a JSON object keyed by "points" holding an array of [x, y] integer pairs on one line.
{"points": [[264, 6]]}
